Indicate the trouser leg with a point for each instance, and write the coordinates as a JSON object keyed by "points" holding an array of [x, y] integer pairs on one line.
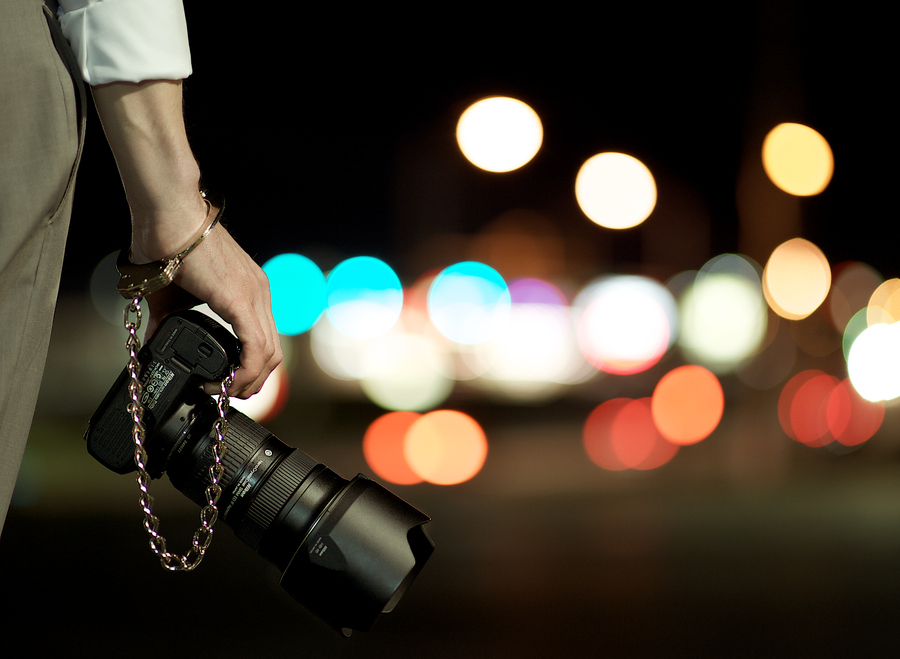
{"points": [[41, 126]]}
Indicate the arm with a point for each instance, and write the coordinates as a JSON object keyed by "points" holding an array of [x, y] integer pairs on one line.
{"points": [[145, 129]]}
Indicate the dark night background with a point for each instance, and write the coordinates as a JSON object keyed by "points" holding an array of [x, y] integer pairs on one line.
{"points": [[331, 133]]}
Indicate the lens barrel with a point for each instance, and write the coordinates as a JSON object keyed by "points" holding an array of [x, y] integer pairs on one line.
{"points": [[347, 550]]}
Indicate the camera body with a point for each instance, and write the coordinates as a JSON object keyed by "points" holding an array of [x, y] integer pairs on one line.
{"points": [[348, 550]]}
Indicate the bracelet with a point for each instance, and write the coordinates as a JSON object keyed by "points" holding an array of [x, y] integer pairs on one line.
{"points": [[146, 278]]}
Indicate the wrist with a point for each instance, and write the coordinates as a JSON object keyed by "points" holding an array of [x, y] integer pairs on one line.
{"points": [[158, 235]]}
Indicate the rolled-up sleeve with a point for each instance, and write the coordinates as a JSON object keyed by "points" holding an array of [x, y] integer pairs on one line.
{"points": [[127, 40]]}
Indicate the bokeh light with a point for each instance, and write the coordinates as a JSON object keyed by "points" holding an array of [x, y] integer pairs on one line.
{"points": [[625, 324], [445, 447], [405, 371], [499, 134], [469, 302], [853, 419], [796, 279], [687, 404], [615, 190], [297, 286], [364, 297], [383, 447], [797, 159], [808, 410], [884, 304], [723, 314], [874, 362], [620, 434], [815, 408], [536, 348], [341, 356]]}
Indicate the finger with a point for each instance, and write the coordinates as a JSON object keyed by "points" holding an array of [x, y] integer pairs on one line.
{"points": [[257, 363]]}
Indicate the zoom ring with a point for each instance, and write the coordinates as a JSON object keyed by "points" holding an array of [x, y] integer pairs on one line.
{"points": [[272, 496]]}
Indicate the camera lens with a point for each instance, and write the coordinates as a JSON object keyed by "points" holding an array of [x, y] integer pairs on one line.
{"points": [[347, 550]]}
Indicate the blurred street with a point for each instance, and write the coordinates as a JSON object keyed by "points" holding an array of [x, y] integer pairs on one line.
{"points": [[772, 532]]}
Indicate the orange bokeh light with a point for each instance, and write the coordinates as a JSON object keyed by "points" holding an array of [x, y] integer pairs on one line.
{"points": [[688, 403], [445, 447], [383, 447]]}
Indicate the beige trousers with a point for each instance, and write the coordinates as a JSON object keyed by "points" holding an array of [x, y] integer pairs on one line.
{"points": [[41, 128]]}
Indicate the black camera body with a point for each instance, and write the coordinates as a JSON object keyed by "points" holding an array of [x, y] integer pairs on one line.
{"points": [[348, 550]]}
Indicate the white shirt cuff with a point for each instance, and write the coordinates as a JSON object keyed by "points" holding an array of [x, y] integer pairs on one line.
{"points": [[127, 40]]}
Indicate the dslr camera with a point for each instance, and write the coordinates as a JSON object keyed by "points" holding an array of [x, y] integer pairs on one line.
{"points": [[347, 550]]}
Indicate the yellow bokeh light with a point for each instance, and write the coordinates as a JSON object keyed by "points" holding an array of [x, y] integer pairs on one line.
{"points": [[884, 305], [615, 190], [796, 279], [499, 134], [797, 159]]}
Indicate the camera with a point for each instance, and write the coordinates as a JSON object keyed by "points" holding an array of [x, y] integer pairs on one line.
{"points": [[347, 550]]}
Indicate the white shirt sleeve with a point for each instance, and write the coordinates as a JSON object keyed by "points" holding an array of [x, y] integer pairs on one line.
{"points": [[127, 40]]}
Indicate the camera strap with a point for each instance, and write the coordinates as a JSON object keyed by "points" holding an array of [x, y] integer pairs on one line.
{"points": [[135, 288]]}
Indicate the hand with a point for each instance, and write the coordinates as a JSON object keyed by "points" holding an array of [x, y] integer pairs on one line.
{"points": [[224, 276]]}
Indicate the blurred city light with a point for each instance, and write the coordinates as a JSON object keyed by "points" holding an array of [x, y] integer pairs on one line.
{"points": [[383, 447], [884, 305], [620, 434], [536, 347], [687, 404], [797, 159], [297, 287], [852, 418], [815, 409], [625, 324], [796, 279], [499, 134], [615, 190], [445, 447], [469, 302], [803, 407], [406, 371], [363, 296], [874, 362], [337, 354], [723, 315]]}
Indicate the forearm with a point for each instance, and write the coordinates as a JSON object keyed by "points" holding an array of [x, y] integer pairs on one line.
{"points": [[144, 126], [145, 129]]}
